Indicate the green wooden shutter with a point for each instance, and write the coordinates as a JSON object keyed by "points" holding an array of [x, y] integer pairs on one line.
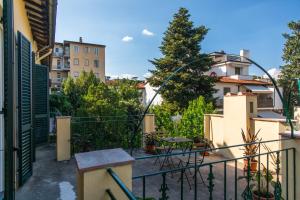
{"points": [[40, 86], [24, 109]]}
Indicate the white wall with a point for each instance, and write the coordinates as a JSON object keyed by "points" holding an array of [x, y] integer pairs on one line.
{"points": [[277, 101], [220, 70], [149, 94], [220, 87], [1, 106]]}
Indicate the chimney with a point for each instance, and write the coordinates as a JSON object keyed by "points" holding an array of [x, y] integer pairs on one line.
{"points": [[245, 54], [80, 39]]}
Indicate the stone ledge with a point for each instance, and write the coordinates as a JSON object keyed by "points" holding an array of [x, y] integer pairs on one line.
{"points": [[102, 159], [287, 134]]}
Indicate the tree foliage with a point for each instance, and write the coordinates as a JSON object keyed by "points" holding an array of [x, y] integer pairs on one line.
{"points": [[192, 123], [103, 115], [291, 56], [181, 47]]}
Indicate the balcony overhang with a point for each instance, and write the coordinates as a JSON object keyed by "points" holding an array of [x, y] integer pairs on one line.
{"points": [[42, 20], [259, 89]]}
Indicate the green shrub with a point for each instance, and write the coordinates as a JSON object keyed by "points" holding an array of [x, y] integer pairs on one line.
{"points": [[192, 122]]}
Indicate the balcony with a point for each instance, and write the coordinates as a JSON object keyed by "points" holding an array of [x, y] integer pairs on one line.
{"points": [[61, 68], [176, 172], [229, 58], [57, 54]]}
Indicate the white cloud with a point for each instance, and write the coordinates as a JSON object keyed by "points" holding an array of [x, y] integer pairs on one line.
{"points": [[147, 75], [122, 76], [147, 32], [127, 38]]}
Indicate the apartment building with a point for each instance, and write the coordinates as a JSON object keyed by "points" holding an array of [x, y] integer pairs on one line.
{"points": [[233, 76], [70, 58]]}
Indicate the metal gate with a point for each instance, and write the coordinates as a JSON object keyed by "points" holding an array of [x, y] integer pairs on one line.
{"points": [[40, 95], [24, 109]]}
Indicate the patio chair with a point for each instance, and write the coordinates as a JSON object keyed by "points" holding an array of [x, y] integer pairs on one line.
{"points": [[160, 147], [189, 160]]}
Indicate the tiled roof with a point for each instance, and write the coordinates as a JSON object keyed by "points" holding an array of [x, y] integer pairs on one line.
{"points": [[141, 85], [226, 79]]}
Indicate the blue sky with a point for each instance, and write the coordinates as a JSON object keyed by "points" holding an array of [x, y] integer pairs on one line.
{"points": [[256, 25]]}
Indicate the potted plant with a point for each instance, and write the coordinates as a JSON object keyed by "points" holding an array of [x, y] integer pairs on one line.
{"points": [[266, 178], [201, 143], [150, 140], [250, 149]]}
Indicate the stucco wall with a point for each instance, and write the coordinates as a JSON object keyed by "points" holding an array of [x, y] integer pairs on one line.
{"points": [[220, 89], [92, 185], [21, 22], [149, 94], [81, 55], [225, 130], [289, 176]]}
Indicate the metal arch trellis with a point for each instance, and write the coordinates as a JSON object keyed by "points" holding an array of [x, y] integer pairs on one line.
{"points": [[284, 103]]}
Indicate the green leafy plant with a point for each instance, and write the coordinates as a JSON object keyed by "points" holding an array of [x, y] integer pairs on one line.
{"points": [[150, 139], [191, 124]]}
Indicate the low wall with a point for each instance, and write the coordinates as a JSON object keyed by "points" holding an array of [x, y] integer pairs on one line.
{"points": [[290, 169], [269, 130]]}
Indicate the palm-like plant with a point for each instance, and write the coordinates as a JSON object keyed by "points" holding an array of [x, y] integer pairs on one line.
{"points": [[250, 139]]}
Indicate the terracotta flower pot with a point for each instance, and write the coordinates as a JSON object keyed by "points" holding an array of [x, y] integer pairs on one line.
{"points": [[150, 149], [199, 144], [256, 196], [253, 165]]}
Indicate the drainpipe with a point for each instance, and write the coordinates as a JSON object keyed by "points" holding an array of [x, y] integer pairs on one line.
{"points": [[8, 24]]}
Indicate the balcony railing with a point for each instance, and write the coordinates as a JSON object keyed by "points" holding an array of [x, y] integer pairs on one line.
{"points": [[120, 183], [104, 132], [57, 54], [216, 187]]}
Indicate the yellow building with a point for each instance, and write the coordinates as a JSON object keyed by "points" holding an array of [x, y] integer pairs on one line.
{"points": [[70, 58], [27, 31]]}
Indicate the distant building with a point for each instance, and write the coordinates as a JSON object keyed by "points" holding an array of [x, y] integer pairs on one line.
{"points": [[70, 58], [233, 77]]}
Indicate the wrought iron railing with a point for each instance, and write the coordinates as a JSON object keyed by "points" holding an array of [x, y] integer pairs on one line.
{"points": [[213, 188], [104, 132], [120, 183]]}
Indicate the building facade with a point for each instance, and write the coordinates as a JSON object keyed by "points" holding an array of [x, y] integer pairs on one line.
{"points": [[70, 58], [233, 76], [27, 31]]}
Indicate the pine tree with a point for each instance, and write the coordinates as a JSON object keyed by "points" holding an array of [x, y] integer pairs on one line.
{"points": [[291, 55], [181, 46]]}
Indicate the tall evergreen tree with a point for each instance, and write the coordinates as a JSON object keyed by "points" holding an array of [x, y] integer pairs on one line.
{"points": [[291, 55], [180, 47]]}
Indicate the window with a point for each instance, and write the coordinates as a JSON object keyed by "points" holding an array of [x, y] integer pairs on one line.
{"points": [[75, 74], [96, 51], [226, 90], [58, 63], [76, 49], [237, 70], [96, 63], [76, 61], [58, 75], [86, 49], [56, 50], [86, 62], [251, 107]]}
